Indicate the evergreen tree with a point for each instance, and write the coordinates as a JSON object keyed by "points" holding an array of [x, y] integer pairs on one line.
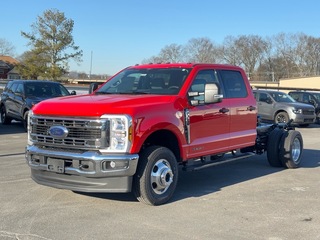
{"points": [[52, 45]]}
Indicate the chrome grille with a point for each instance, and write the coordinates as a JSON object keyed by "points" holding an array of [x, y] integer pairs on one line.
{"points": [[83, 134]]}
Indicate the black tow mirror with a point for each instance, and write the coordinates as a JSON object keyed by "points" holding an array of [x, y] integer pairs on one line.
{"points": [[73, 92]]}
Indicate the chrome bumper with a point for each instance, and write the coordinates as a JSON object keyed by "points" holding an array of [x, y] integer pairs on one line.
{"points": [[88, 171]]}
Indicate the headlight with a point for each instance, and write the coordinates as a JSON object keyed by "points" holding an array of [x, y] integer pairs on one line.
{"points": [[30, 114], [120, 130], [297, 111]]}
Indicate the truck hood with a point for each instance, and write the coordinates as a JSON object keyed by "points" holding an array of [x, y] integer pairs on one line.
{"points": [[97, 105], [32, 100]]}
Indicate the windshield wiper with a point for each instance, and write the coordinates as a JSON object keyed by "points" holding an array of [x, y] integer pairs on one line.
{"points": [[134, 92], [140, 92], [101, 93]]}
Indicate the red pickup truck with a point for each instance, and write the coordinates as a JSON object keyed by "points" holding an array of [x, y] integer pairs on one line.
{"points": [[136, 130]]}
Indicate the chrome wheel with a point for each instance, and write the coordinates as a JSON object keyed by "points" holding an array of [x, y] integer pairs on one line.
{"points": [[161, 176], [157, 175], [296, 150], [291, 148]]}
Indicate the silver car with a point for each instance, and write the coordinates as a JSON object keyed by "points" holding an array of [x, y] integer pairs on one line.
{"points": [[279, 107]]}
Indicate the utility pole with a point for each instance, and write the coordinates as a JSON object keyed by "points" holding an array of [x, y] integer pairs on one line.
{"points": [[90, 66]]}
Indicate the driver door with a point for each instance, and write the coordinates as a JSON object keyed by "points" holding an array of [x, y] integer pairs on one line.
{"points": [[209, 123]]}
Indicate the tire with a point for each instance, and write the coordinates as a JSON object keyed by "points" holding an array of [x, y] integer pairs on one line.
{"points": [[3, 114], [273, 148], [291, 149], [25, 120], [281, 117], [157, 176]]}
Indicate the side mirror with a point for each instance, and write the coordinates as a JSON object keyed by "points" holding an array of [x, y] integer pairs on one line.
{"points": [[313, 102], [211, 93], [93, 87], [73, 92]]}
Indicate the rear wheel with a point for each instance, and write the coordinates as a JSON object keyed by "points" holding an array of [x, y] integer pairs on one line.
{"points": [[156, 177], [3, 115], [281, 117], [273, 148], [291, 149]]}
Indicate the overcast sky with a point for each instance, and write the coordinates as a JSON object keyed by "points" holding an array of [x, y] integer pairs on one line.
{"points": [[121, 33]]}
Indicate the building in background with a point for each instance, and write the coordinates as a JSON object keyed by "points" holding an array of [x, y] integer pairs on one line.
{"points": [[7, 68]]}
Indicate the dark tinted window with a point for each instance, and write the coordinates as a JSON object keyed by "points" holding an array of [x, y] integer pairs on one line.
{"points": [[19, 89], [8, 86], [263, 97], [295, 96], [13, 87], [233, 83], [45, 89]]}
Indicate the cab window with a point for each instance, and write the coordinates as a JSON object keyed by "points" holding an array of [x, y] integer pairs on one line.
{"points": [[233, 83]]}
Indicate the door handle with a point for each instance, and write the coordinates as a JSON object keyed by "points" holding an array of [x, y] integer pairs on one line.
{"points": [[224, 110], [251, 108]]}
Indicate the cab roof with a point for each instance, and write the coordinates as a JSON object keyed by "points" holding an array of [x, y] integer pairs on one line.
{"points": [[184, 65]]}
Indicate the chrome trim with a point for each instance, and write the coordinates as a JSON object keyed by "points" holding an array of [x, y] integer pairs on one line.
{"points": [[186, 113], [79, 133], [95, 158]]}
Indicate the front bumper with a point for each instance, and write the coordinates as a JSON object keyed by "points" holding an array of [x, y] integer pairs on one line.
{"points": [[302, 119], [82, 171]]}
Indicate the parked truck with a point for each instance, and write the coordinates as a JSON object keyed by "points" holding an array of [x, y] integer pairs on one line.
{"points": [[147, 123]]}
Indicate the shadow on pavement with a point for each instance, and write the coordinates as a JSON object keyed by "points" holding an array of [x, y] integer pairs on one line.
{"points": [[13, 128], [210, 180]]}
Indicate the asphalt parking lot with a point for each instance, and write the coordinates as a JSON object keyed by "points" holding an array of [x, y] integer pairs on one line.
{"points": [[247, 199]]}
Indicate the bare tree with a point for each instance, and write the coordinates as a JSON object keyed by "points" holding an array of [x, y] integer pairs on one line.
{"points": [[201, 50], [271, 58], [170, 53], [252, 49], [308, 53], [6, 48], [285, 48], [229, 52]]}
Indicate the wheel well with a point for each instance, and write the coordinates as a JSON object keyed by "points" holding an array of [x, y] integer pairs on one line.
{"points": [[281, 110], [24, 111], [166, 139]]}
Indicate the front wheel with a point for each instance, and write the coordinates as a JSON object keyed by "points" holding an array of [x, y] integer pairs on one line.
{"points": [[157, 176], [291, 149], [3, 114], [281, 117]]}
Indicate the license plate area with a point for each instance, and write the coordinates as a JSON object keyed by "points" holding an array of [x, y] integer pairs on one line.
{"points": [[55, 165]]}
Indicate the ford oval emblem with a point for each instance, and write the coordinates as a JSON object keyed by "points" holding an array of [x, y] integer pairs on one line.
{"points": [[58, 131]]}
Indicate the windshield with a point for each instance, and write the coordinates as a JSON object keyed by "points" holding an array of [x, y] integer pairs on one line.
{"points": [[317, 96], [45, 89], [162, 81], [281, 97]]}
